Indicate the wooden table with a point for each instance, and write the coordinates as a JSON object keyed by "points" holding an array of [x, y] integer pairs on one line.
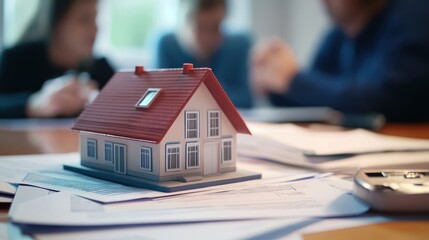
{"points": [[417, 130], [34, 141], [62, 139]]}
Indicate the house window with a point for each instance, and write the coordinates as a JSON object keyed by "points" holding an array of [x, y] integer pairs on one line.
{"points": [[148, 98], [214, 124], [173, 157], [120, 158], [91, 148], [192, 124], [192, 155], [227, 150], [146, 158], [108, 151]]}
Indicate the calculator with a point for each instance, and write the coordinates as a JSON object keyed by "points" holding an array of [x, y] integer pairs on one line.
{"points": [[393, 190]]}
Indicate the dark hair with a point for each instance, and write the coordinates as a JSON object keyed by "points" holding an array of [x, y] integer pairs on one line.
{"points": [[46, 19], [201, 5], [59, 9], [195, 6]]}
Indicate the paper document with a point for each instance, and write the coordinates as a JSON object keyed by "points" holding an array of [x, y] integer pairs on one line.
{"points": [[291, 229], [7, 188], [272, 229], [55, 178], [12, 232], [46, 171], [26, 194], [88, 187], [318, 143], [13, 169], [271, 142], [6, 199], [309, 198], [349, 164], [108, 192]]}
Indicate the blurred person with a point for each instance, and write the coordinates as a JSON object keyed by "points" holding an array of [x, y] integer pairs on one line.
{"points": [[376, 59], [201, 40], [56, 74]]}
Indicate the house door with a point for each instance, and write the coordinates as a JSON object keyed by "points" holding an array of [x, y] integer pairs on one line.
{"points": [[120, 158], [211, 158]]}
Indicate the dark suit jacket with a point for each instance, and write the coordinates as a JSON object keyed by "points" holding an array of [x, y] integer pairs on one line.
{"points": [[24, 69], [384, 69]]}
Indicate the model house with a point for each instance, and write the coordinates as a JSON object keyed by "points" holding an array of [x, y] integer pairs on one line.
{"points": [[161, 125]]}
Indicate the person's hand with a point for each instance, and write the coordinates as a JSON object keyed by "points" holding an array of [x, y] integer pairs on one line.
{"points": [[273, 67], [61, 97]]}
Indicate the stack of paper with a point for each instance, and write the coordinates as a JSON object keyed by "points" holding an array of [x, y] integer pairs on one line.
{"points": [[274, 204], [46, 171], [283, 228], [307, 198], [13, 170], [54, 197], [333, 150]]}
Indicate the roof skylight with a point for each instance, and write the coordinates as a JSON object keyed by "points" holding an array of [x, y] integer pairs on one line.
{"points": [[148, 98]]}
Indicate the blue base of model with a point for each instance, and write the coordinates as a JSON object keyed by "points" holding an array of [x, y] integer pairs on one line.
{"points": [[167, 186]]}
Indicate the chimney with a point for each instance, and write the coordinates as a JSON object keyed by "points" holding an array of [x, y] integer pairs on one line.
{"points": [[139, 70], [187, 68]]}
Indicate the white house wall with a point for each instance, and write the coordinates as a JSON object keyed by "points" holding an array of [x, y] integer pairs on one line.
{"points": [[133, 155], [202, 101]]}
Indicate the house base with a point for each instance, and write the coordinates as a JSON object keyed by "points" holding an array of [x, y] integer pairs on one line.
{"points": [[167, 186]]}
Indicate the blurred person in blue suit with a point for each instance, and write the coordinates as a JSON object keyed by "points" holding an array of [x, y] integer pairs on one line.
{"points": [[375, 59], [201, 40]]}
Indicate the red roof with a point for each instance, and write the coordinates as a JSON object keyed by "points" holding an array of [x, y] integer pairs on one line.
{"points": [[113, 112]]}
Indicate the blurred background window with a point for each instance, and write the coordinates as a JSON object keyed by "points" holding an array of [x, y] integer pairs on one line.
{"points": [[128, 29], [16, 15]]}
